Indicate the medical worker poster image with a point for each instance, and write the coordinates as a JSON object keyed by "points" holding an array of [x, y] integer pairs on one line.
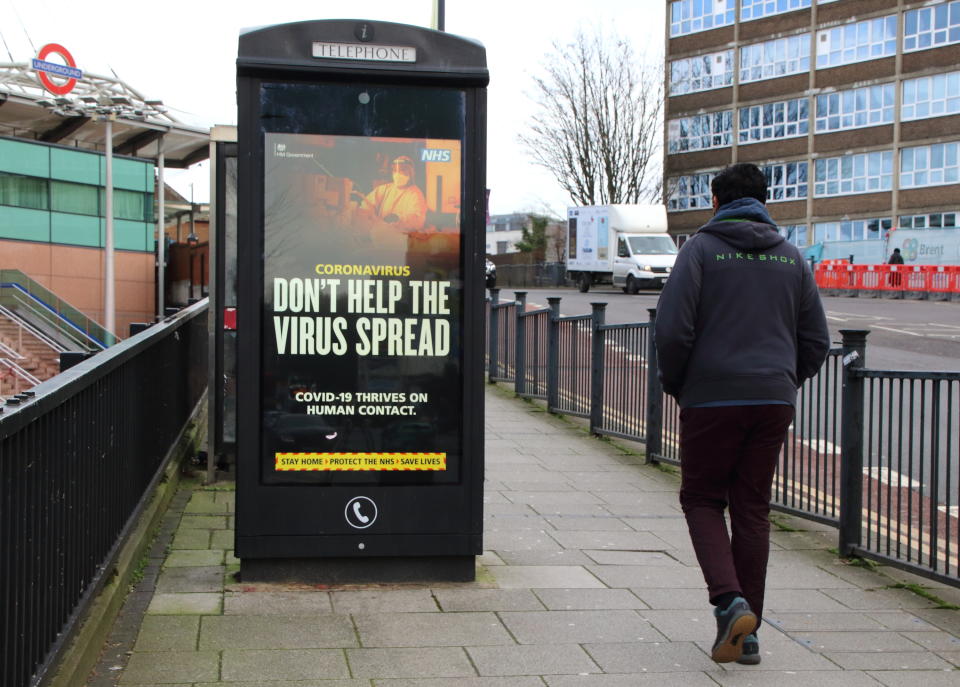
{"points": [[362, 296]]}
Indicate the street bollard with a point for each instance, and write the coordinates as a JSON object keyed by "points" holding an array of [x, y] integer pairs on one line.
{"points": [[520, 348], [654, 424], [596, 367], [494, 322], [553, 354], [851, 441]]}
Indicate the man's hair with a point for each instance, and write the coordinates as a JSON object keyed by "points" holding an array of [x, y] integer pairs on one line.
{"points": [[896, 250], [742, 180]]}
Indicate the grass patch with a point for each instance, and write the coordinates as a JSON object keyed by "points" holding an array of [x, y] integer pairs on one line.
{"points": [[781, 524], [926, 594], [136, 576], [865, 563]]}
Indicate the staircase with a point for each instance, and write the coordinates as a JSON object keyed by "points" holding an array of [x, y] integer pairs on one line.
{"points": [[25, 358]]}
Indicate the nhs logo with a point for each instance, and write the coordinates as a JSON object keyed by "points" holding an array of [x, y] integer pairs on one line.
{"points": [[434, 155]]}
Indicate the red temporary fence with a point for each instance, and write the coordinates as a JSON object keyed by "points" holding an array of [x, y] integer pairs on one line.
{"points": [[929, 279]]}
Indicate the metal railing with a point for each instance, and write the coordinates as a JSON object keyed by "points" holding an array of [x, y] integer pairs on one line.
{"points": [[871, 452], [17, 290], [79, 456]]}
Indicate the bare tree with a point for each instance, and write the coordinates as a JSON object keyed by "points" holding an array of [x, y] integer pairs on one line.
{"points": [[598, 126]]}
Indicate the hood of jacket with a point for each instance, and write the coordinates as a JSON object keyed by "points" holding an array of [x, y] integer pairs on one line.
{"points": [[744, 224]]}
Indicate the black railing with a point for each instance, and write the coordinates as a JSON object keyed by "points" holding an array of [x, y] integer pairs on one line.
{"points": [[78, 459], [870, 452]]}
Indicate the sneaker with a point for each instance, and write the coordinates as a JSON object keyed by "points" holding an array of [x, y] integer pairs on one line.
{"points": [[733, 625], [751, 651]]}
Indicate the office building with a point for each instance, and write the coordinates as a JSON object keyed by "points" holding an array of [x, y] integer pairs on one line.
{"points": [[851, 107]]}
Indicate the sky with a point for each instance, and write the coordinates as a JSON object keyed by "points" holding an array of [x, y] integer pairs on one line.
{"points": [[184, 53]]}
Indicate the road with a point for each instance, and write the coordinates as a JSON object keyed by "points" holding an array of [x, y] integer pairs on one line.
{"points": [[904, 334]]}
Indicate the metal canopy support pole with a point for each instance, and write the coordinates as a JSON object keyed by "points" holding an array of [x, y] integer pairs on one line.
{"points": [[161, 231], [108, 281]]}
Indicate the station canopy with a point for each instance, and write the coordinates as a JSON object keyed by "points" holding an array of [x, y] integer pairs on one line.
{"points": [[28, 111]]}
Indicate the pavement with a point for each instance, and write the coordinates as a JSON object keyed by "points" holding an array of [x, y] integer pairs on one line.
{"points": [[587, 579]]}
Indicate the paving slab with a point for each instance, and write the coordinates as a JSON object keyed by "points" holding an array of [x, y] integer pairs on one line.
{"points": [[276, 632], [679, 679], [171, 667], [439, 662], [543, 576], [579, 627], [796, 678], [553, 659], [190, 603], [913, 678], [588, 599], [284, 664], [384, 600], [454, 600], [653, 657], [462, 682], [889, 660], [431, 629], [168, 633], [191, 579], [277, 603], [187, 558]]}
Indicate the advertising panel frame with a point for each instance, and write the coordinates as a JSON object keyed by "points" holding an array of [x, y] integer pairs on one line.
{"points": [[422, 531]]}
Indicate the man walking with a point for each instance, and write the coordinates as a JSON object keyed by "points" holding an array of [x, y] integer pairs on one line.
{"points": [[739, 327]]}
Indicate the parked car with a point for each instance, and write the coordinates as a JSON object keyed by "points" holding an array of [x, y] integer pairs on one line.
{"points": [[491, 274]]}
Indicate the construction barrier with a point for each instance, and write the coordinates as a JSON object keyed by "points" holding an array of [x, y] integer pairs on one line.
{"points": [[898, 281]]}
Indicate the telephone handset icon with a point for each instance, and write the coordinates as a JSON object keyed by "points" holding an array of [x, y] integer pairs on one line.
{"points": [[361, 512], [360, 516]]}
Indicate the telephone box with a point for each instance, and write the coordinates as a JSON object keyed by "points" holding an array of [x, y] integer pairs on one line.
{"points": [[361, 220]]}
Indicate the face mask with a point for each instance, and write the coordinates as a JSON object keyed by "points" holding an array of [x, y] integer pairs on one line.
{"points": [[401, 179]]}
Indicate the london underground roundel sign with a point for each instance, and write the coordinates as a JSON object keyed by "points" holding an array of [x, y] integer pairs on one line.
{"points": [[46, 69]]}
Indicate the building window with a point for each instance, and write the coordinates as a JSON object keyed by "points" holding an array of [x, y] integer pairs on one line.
{"points": [[769, 121], [775, 58], [935, 220], [931, 165], [794, 233], [755, 9], [931, 96], [852, 230], [861, 173], [690, 192], [786, 181], [501, 247], [851, 109], [865, 40], [23, 192], [78, 199], [930, 27], [691, 16], [713, 130], [701, 73]]}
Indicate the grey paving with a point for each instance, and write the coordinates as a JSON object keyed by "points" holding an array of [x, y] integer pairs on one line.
{"points": [[587, 579]]}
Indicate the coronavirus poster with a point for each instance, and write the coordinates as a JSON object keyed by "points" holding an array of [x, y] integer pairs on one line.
{"points": [[362, 296]]}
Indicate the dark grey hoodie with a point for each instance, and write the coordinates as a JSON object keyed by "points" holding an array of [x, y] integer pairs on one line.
{"points": [[740, 317]]}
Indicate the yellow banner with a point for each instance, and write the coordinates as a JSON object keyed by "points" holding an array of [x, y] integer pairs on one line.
{"points": [[361, 461]]}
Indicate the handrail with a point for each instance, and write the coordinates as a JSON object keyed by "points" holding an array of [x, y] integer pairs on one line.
{"points": [[62, 309], [14, 317], [63, 322], [6, 350], [19, 371]]}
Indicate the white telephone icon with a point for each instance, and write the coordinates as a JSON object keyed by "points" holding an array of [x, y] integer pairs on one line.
{"points": [[360, 516]]}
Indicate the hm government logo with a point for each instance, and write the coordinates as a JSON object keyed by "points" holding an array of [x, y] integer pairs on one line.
{"points": [[280, 150]]}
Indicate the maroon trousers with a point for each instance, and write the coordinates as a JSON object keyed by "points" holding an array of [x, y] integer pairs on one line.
{"points": [[728, 455]]}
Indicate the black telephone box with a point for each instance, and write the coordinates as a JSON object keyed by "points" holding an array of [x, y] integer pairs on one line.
{"points": [[361, 220]]}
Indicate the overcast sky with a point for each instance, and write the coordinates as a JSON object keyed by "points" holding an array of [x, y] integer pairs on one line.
{"points": [[184, 53]]}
